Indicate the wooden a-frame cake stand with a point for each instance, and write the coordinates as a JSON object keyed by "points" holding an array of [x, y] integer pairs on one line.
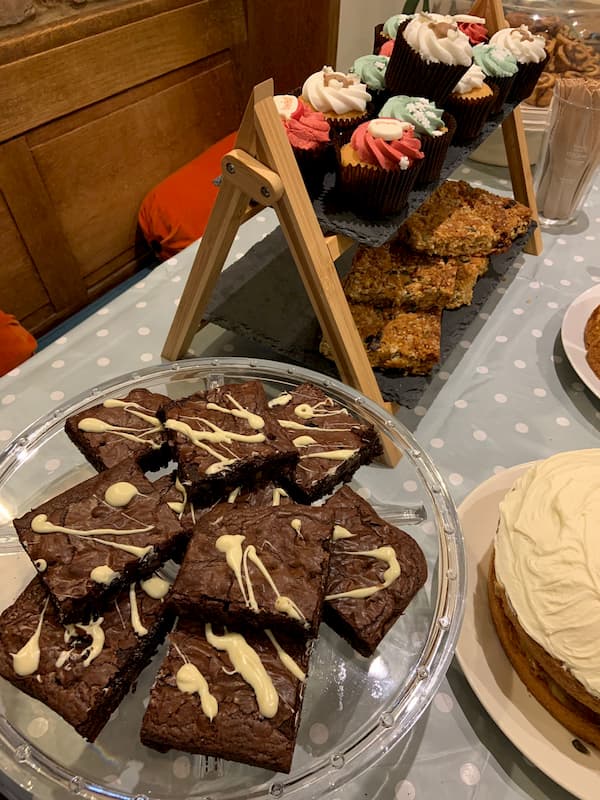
{"points": [[262, 168]]}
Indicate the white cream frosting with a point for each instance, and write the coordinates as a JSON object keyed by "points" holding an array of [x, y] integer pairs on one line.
{"points": [[334, 91], [474, 78], [452, 48], [524, 45], [547, 558]]}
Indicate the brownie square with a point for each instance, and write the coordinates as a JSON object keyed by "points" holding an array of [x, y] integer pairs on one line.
{"points": [[176, 496], [82, 571], [84, 690], [238, 731], [226, 437], [363, 622], [270, 494], [128, 427], [292, 544], [332, 444]]}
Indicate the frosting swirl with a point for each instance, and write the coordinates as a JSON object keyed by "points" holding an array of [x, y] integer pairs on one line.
{"points": [[496, 62], [473, 78], [391, 25], [475, 31], [423, 115], [329, 91], [524, 45], [371, 70], [386, 143], [387, 48], [548, 560], [437, 39], [306, 129]]}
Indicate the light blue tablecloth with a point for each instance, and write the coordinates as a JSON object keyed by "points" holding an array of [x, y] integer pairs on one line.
{"points": [[507, 395]]}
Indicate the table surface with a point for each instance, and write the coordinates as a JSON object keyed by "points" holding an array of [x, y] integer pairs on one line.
{"points": [[507, 395]]}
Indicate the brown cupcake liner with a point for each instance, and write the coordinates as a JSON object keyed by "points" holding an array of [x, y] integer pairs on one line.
{"points": [[525, 80], [434, 149], [503, 85], [408, 73], [342, 128], [470, 115], [378, 38], [372, 191], [313, 164]]}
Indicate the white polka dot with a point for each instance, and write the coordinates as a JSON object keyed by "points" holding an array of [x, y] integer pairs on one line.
{"points": [[520, 364], [565, 282], [420, 411], [57, 395], [61, 340], [102, 333], [539, 392], [500, 398], [141, 304], [103, 312], [552, 304], [14, 372], [470, 774], [482, 370], [5, 435], [261, 218], [228, 348], [483, 315], [518, 311], [364, 492], [501, 290], [428, 528], [460, 403], [437, 443], [521, 427], [480, 436], [466, 171], [548, 262], [404, 791], [52, 464], [58, 364], [455, 478], [534, 285], [497, 469], [318, 733], [8, 399], [146, 357], [176, 301], [563, 422], [590, 238], [172, 262], [536, 333], [410, 486], [443, 375], [501, 339], [238, 256], [143, 331], [176, 279], [465, 344], [140, 285], [443, 702], [103, 361], [556, 359], [578, 259], [595, 278], [182, 767], [561, 241], [37, 727]]}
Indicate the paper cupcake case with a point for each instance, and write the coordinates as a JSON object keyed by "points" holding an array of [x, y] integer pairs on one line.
{"points": [[504, 86], [435, 149], [470, 115], [525, 80]]}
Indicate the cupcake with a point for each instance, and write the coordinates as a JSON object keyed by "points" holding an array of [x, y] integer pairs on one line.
{"points": [[430, 56], [470, 103], [531, 55], [386, 33], [309, 135], [371, 71], [434, 127], [379, 166], [499, 67], [341, 98], [476, 32]]}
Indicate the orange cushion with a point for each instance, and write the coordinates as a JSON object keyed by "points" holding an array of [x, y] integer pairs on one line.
{"points": [[16, 344], [174, 214]]}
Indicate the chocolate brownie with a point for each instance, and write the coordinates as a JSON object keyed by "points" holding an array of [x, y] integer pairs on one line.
{"points": [[86, 563], [268, 495], [175, 495], [77, 674], [120, 429], [367, 552], [224, 718], [226, 437], [262, 567], [332, 444]]}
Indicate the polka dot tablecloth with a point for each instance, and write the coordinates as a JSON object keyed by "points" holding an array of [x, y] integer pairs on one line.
{"points": [[507, 395]]}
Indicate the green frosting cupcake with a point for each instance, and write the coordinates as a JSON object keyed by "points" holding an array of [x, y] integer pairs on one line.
{"points": [[391, 25], [496, 62], [371, 70], [420, 112]]}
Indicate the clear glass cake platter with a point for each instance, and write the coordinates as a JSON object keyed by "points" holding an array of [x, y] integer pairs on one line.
{"points": [[355, 709]]}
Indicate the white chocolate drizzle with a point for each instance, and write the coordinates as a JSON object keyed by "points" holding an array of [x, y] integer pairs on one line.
{"points": [[41, 524], [291, 424], [339, 532], [306, 411], [94, 629], [178, 506], [120, 494], [133, 408], [231, 545], [304, 441], [255, 421], [386, 554], [190, 680], [103, 574], [234, 494], [41, 564], [156, 587], [27, 660], [246, 662], [332, 455], [281, 400], [277, 495], [286, 659], [217, 436], [136, 622], [95, 425]]}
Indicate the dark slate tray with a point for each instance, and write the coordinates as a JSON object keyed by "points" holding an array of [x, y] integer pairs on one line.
{"points": [[261, 297]]}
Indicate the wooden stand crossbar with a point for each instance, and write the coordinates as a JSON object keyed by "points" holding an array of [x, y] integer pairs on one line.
{"points": [[262, 168]]}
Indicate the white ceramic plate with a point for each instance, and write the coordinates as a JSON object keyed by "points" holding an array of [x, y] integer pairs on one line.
{"points": [[572, 328], [525, 722]]}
